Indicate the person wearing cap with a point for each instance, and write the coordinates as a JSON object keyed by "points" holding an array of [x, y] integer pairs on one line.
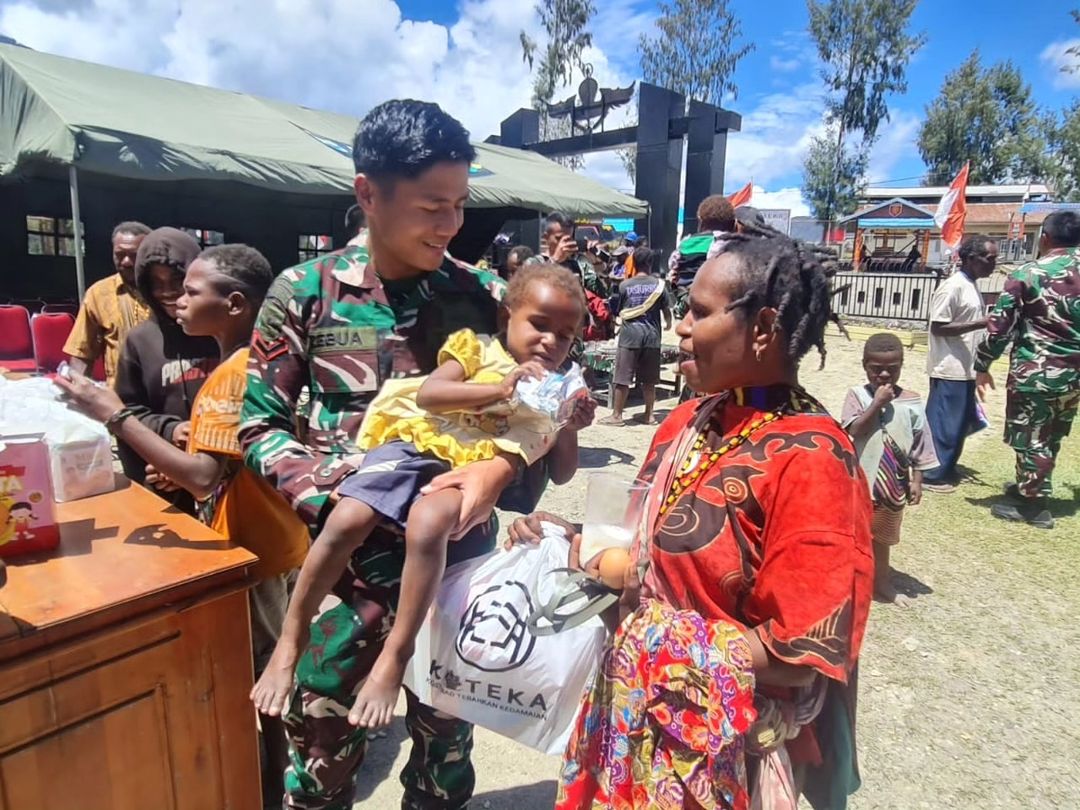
{"points": [[619, 257]]}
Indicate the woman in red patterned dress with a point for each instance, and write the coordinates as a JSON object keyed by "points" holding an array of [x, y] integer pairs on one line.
{"points": [[743, 634]]}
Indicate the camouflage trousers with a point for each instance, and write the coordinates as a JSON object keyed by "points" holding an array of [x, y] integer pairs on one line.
{"points": [[325, 750], [1035, 424]]}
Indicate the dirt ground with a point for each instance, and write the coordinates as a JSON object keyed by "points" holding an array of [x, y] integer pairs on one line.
{"points": [[970, 698]]}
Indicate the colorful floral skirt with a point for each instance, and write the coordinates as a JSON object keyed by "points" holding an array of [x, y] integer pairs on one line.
{"points": [[663, 724]]}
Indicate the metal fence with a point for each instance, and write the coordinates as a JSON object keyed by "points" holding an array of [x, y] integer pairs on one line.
{"points": [[885, 296]]}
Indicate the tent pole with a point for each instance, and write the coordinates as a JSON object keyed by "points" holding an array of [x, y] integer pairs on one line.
{"points": [[76, 229]]}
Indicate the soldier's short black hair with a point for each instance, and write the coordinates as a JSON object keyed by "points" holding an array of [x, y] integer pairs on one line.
{"points": [[130, 228], [403, 138], [883, 343], [1063, 228], [974, 245], [560, 219], [240, 268], [789, 275]]}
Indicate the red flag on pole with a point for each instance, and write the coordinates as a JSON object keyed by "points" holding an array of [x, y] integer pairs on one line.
{"points": [[952, 210], [742, 196]]}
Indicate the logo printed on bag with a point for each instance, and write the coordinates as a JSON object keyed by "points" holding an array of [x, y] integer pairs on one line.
{"points": [[494, 635]]}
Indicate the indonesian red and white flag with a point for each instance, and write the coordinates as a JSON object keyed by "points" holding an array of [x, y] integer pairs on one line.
{"points": [[742, 196], [952, 210]]}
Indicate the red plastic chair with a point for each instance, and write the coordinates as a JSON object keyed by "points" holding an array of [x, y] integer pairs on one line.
{"points": [[50, 331], [16, 339], [98, 372]]}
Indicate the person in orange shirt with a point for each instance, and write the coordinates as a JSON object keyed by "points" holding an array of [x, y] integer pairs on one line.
{"points": [[223, 290], [111, 308]]}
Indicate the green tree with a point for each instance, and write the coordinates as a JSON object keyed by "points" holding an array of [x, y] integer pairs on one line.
{"points": [[985, 116], [695, 49], [1074, 51], [831, 181], [1063, 164], [864, 47], [566, 28]]}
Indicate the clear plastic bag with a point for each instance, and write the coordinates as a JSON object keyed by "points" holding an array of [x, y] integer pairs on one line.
{"points": [[555, 395]]}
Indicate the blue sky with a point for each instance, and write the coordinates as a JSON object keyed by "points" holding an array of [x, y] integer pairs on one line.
{"points": [[348, 55], [784, 62]]}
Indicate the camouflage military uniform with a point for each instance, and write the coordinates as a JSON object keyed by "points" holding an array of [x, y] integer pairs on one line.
{"points": [[332, 326], [1039, 311], [579, 267]]}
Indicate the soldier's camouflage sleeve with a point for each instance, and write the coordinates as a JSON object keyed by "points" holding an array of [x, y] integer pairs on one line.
{"points": [[590, 280], [277, 372], [1001, 323]]}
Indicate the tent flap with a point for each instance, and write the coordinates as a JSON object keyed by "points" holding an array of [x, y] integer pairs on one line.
{"points": [[126, 124]]}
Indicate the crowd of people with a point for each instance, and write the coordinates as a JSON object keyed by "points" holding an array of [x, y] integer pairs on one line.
{"points": [[361, 399]]}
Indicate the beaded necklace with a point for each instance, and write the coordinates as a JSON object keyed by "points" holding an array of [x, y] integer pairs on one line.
{"points": [[698, 462]]}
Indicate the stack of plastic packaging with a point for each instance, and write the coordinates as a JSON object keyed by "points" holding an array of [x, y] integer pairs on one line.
{"points": [[79, 449]]}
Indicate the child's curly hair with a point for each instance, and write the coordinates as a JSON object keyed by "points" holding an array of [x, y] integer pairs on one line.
{"points": [[554, 275]]}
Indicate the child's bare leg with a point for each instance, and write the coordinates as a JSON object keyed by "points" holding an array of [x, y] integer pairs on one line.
{"points": [[348, 525], [426, 532], [883, 587]]}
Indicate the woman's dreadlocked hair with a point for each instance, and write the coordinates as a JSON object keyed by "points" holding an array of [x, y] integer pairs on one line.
{"points": [[791, 276]]}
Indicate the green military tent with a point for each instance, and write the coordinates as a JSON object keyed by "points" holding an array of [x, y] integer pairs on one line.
{"points": [[64, 119]]}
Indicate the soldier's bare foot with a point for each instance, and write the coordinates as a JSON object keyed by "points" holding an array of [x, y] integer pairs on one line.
{"points": [[374, 706], [272, 691]]}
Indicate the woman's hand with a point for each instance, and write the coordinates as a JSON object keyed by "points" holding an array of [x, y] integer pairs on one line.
{"points": [[634, 590], [527, 531], [95, 401]]}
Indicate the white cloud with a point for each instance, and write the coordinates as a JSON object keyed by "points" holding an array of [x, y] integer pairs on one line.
{"points": [[1056, 58], [897, 142], [779, 63], [347, 56], [790, 198], [339, 55], [774, 137]]}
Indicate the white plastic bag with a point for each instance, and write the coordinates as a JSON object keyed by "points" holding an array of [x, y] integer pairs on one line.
{"points": [[476, 659], [80, 449]]}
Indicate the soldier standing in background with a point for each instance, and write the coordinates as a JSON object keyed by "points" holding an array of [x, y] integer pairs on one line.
{"points": [[1039, 312]]}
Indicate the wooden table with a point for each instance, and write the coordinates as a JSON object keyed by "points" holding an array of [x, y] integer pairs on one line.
{"points": [[125, 665]]}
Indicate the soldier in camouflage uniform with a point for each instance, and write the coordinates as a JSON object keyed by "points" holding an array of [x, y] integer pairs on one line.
{"points": [[559, 247], [338, 326], [1039, 312]]}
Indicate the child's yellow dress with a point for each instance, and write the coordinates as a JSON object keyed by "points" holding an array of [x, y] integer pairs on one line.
{"points": [[459, 437]]}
